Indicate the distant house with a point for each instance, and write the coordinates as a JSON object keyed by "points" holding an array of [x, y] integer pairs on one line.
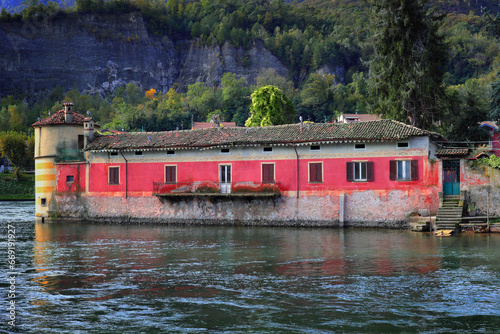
{"points": [[208, 125], [493, 129], [4, 165], [349, 118]]}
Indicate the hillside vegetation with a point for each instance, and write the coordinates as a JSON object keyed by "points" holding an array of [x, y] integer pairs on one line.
{"points": [[325, 45]]}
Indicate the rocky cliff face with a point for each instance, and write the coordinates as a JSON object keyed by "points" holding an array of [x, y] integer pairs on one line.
{"points": [[99, 53]]}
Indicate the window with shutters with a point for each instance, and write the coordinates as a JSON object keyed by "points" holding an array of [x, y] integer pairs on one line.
{"points": [[170, 174], [315, 172], [114, 175], [267, 173], [403, 170], [359, 171]]}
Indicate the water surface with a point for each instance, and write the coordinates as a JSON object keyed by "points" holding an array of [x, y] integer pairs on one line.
{"points": [[87, 278]]}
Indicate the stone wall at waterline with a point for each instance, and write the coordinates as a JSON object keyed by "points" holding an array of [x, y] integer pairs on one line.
{"points": [[362, 209]]}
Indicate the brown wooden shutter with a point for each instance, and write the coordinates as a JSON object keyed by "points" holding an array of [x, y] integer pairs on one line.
{"points": [[392, 170], [170, 174], [268, 173], [349, 171], [414, 170], [369, 171], [315, 172], [114, 175]]}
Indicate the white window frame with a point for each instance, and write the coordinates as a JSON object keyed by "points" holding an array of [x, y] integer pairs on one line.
{"points": [[358, 165], [405, 170]]}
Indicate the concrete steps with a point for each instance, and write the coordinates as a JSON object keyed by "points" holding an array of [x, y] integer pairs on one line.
{"points": [[449, 215]]}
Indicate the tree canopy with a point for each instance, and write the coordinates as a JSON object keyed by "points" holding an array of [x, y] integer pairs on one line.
{"points": [[270, 107], [406, 69]]}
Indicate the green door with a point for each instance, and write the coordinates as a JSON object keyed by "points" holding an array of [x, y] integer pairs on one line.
{"points": [[451, 177]]}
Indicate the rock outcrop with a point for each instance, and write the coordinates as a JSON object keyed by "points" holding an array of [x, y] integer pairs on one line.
{"points": [[100, 52]]}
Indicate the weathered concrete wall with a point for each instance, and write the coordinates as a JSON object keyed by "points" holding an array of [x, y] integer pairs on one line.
{"points": [[477, 179], [362, 209]]}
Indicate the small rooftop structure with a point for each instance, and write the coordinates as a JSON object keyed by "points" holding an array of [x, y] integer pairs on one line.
{"points": [[207, 125], [349, 118]]}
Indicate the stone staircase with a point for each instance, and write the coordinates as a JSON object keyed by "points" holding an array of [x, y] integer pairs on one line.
{"points": [[450, 213]]}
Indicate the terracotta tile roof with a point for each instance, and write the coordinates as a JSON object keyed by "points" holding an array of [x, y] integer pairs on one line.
{"points": [[382, 130], [58, 118], [489, 124], [207, 125], [452, 152]]}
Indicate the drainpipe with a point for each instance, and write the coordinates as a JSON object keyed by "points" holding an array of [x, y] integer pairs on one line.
{"points": [[126, 175], [297, 154]]}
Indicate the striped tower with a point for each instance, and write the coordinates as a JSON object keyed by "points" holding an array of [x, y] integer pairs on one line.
{"points": [[56, 137]]}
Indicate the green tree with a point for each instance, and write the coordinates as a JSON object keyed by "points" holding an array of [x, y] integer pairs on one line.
{"points": [[18, 148], [4, 119], [495, 102], [406, 69], [235, 98], [270, 107], [318, 94]]}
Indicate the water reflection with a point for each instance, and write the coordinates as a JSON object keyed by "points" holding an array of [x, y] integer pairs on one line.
{"points": [[170, 279]]}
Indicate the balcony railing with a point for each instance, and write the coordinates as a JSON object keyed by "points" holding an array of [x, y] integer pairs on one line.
{"points": [[216, 189]]}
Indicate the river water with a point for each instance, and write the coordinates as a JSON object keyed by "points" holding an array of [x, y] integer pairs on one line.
{"points": [[88, 278]]}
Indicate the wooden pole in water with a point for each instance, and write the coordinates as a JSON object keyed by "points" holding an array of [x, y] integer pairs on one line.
{"points": [[488, 207]]}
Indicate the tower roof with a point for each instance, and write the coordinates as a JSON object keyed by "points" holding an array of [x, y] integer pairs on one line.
{"points": [[57, 118]]}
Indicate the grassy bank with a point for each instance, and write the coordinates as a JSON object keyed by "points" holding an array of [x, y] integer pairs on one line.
{"points": [[11, 189]]}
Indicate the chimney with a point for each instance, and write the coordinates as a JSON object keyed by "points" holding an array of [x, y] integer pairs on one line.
{"points": [[68, 111], [88, 130]]}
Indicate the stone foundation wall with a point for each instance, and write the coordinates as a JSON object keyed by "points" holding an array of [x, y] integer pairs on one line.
{"points": [[362, 209], [477, 180]]}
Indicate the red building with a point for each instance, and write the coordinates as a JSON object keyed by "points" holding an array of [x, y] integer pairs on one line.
{"points": [[494, 143], [363, 173]]}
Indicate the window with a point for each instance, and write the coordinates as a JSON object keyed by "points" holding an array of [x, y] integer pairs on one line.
{"points": [[359, 171], [114, 175], [267, 173], [114, 154], [224, 150], [80, 142], [403, 170], [267, 149], [70, 178], [43, 201], [359, 146], [315, 172], [170, 174], [403, 144], [315, 148], [170, 152], [138, 153]]}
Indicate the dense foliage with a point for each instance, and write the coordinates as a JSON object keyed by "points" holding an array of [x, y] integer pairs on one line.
{"points": [[270, 107], [18, 148], [406, 68], [324, 44]]}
